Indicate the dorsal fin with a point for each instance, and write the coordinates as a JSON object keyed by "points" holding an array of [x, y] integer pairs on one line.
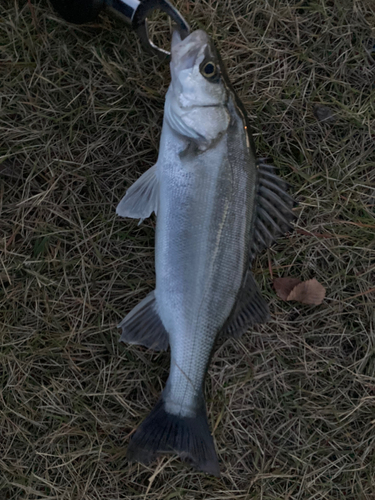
{"points": [[273, 209], [250, 308]]}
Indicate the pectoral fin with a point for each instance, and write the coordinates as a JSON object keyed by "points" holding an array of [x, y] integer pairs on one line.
{"points": [[250, 309], [141, 199], [143, 326]]}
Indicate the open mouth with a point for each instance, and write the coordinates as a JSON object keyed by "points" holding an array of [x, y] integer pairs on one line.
{"points": [[185, 52]]}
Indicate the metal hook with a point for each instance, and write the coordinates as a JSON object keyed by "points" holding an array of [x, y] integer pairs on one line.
{"points": [[140, 23]]}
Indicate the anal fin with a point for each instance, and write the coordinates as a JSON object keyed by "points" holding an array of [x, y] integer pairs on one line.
{"points": [[250, 308], [143, 326]]}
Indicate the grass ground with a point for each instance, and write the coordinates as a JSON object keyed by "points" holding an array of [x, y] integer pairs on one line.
{"points": [[291, 404]]}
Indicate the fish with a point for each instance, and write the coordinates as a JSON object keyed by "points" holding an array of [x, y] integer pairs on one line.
{"points": [[217, 206]]}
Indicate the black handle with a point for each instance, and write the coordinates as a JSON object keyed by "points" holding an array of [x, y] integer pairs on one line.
{"points": [[133, 12], [78, 11]]}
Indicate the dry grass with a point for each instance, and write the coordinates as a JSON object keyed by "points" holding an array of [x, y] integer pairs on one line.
{"points": [[292, 404]]}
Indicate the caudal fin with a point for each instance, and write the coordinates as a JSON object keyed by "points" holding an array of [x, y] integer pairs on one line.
{"points": [[163, 433]]}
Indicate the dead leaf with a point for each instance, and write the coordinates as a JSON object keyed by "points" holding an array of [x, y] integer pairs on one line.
{"points": [[308, 292], [284, 286]]}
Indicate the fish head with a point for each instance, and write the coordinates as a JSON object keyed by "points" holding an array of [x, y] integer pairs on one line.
{"points": [[195, 70], [197, 97]]}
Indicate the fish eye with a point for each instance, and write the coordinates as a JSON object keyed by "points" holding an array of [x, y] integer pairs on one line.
{"points": [[209, 69]]}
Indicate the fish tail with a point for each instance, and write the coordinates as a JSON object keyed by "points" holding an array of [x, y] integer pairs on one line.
{"points": [[163, 433]]}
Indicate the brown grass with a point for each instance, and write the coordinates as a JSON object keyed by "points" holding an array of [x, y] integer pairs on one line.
{"points": [[292, 404]]}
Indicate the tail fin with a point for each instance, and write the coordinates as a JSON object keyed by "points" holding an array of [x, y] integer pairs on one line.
{"points": [[163, 433]]}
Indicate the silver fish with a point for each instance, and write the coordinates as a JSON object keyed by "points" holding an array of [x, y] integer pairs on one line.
{"points": [[216, 206]]}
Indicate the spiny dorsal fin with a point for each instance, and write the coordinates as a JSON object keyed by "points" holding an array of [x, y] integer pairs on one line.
{"points": [[143, 326], [141, 199], [250, 308], [274, 209]]}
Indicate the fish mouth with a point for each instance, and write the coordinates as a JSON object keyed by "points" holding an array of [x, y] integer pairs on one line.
{"points": [[185, 52]]}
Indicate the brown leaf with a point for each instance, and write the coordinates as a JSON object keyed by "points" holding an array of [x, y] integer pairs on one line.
{"points": [[284, 286], [308, 292]]}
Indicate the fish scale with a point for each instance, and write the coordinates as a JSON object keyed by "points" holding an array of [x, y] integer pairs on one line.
{"points": [[192, 322]]}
